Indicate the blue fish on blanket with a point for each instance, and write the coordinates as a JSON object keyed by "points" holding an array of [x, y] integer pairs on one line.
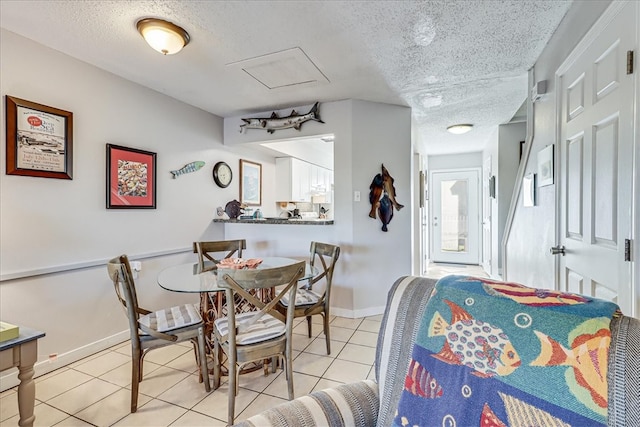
{"points": [[476, 344]]}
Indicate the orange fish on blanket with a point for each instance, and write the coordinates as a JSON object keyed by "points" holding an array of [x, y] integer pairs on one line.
{"points": [[476, 344], [420, 382], [588, 357], [530, 296]]}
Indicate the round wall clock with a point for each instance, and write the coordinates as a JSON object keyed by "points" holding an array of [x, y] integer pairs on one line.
{"points": [[222, 174]]}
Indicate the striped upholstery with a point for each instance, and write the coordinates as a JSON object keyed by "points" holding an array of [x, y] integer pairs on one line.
{"points": [[303, 297], [351, 404], [171, 318], [346, 405], [265, 328]]}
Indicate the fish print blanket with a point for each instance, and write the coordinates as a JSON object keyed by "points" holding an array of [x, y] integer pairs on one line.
{"points": [[494, 353]]}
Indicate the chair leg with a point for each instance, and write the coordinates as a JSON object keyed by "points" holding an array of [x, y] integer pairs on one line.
{"points": [[289, 370], [309, 325], [327, 333], [136, 376], [204, 369], [216, 363], [232, 391]]}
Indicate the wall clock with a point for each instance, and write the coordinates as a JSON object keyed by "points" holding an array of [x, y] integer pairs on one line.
{"points": [[222, 174]]}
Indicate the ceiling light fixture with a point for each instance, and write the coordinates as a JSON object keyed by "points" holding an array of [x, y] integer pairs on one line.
{"points": [[460, 129], [163, 36]]}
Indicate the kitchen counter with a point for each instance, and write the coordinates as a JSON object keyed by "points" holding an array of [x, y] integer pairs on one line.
{"points": [[302, 221]]}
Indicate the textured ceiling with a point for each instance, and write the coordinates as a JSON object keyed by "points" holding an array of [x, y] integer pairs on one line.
{"points": [[450, 61]]}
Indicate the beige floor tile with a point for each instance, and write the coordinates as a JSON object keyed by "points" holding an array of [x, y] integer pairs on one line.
{"points": [[73, 422], [369, 339], [187, 393], [257, 380], [194, 419], [155, 413], [215, 404], [122, 374], [372, 373], [370, 326], [45, 416], [311, 364], [111, 409], [341, 334], [302, 384], [346, 371], [300, 342], [187, 362], [164, 355], [82, 396], [343, 322], [260, 404], [102, 364], [161, 380], [358, 353], [124, 348], [8, 406], [51, 374], [88, 358], [58, 384], [324, 383], [302, 329], [319, 346], [7, 392], [376, 318]]}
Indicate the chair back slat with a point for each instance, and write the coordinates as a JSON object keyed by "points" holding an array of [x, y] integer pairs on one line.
{"points": [[120, 273], [206, 251], [328, 255]]}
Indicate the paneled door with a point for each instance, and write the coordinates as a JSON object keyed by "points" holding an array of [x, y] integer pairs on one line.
{"points": [[596, 152], [455, 217]]}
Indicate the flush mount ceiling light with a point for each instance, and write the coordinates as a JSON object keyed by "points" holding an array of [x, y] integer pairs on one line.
{"points": [[460, 129], [163, 36]]}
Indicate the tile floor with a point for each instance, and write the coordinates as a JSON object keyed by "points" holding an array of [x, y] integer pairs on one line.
{"points": [[95, 391]]}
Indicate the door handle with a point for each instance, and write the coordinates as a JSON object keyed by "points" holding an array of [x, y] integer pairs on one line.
{"points": [[555, 250]]}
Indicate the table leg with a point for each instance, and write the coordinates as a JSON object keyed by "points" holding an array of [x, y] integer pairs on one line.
{"points": [[27, 387]]}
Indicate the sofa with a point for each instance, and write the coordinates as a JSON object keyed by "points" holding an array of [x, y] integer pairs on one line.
{"points": [[375, 403]]}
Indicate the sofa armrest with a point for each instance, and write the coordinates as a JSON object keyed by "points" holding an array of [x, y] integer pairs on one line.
{"points": [[354, 404]]}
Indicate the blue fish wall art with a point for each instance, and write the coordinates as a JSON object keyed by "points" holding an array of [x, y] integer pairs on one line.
{"points": [[188, 168]]}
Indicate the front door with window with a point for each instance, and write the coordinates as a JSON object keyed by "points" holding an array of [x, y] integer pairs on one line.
{"points": [[455, 217]]}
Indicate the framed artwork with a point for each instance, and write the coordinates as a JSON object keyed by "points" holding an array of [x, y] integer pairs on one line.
{"points": [[131, 178], [529, 190], [545, 166], [39, 140], [250, 183]]}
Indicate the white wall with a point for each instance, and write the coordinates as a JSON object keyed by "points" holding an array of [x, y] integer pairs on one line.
{"points": [[533, 230], [454, 161], [63, 226]]}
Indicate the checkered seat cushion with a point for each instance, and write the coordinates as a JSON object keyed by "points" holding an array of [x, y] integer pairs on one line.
{"points": [[265, 328], [172, 318], [303, 297]]}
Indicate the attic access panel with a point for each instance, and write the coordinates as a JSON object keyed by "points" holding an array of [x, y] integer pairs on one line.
{"points": [[281, 69]]}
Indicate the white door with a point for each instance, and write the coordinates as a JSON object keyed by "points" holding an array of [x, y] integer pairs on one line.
{"points": [[455, 217], [596, 152], [486, 216]]}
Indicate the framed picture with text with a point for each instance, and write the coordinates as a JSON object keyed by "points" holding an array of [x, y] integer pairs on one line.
{"points": [[39, 140], [131, 178], [250, 183]]}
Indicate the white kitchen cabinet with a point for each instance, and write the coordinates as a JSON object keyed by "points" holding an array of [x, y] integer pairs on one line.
{"points": [[297, 180]]}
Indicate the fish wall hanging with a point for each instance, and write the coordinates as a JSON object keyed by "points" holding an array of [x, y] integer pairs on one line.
{"points": [[274, 123], [188, 168], [382, 196]]}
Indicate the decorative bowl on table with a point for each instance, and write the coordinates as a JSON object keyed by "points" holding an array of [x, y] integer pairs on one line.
{"points": [[239, 263]]}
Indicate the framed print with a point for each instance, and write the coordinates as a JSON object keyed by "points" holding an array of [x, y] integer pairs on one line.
{"points": [[545, 166], [529, 190], [250, 183], [39, 140], [131, 178]]}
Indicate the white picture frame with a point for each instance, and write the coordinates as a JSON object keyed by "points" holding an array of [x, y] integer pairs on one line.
{"points": [[545, 166], [529, 190]]}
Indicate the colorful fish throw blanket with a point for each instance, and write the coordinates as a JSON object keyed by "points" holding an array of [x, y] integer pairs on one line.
{"points": [[494, 353]]}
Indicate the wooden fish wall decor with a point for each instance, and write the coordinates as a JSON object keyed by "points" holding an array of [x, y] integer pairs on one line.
{"points": [[382, 196], [188, 168], [274, 123]]}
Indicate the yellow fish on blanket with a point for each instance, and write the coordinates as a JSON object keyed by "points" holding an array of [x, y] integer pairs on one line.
{"points": [[530, 296], [588, 357]]}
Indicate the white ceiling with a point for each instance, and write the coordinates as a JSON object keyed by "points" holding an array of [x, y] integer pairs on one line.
{"points": [[450, 61]]}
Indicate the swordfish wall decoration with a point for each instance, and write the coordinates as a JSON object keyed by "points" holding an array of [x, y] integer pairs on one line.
{"points": [[382, 196], [274, 123]]}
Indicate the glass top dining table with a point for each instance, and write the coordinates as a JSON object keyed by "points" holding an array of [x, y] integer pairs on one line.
{"points": [[187, 278]]}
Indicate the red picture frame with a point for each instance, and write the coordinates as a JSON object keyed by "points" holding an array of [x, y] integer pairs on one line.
{"points": [[131, 178]]}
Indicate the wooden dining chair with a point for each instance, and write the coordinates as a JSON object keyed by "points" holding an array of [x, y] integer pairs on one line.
{"points": [[210, 253], [308, 301], [153, 329], [259, 334]]}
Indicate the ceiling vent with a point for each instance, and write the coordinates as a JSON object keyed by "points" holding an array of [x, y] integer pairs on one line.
{"points": [[291, 67]]}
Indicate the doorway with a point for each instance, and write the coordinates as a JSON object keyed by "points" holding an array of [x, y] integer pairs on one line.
{"points": [[455, 217]]}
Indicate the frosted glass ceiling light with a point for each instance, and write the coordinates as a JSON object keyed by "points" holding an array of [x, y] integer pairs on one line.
{"points": [[163, 36], [460, 129]]}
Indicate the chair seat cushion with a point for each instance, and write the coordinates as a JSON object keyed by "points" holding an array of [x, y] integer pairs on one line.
{"points": [[303, 297], [172, 318], [265, 328]]}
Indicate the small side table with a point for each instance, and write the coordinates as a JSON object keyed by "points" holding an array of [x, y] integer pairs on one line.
{"points": [[22, 352]]}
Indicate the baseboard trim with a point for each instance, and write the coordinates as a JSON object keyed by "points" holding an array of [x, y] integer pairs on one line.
{"points": [[355, 314], [10, 379]]}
